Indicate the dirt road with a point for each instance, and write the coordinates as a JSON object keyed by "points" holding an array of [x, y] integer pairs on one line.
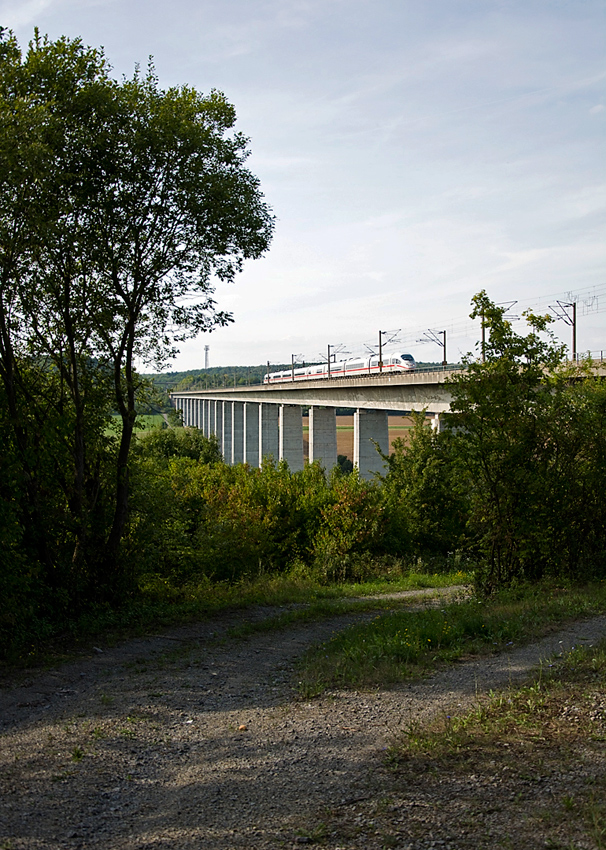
{"points": [[183, 741]]}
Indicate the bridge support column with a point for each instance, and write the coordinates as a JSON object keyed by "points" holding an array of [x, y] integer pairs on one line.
{"points": [[237, 432], [370, 425], [323, 436], [226, 433], [269, 431], [437, 423], [218, 429], [251, 433], [291, 436]]}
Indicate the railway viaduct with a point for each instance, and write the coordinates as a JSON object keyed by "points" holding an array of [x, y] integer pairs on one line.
{"points": [[253, 422]]}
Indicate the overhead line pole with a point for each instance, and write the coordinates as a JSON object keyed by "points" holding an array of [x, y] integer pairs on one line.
{"points": [[561, 312]]}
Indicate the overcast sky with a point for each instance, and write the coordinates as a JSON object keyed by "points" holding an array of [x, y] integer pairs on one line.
{"points": [[413, 151]]}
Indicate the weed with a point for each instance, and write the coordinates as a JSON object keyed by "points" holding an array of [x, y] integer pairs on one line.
{"points": [[316, 835], [77, 754], [595, 817], [107, 700], [61, 777], [127, 733]]}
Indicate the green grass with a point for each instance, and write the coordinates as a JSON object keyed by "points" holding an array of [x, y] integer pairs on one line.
{"points": [[145, 422], [406, 644], [522, 714], [160, 604], [322, 609], [149, 420]]}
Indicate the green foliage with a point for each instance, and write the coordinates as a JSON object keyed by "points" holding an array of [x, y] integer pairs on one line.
{"points": [[120, 205], [426, 503], [527, 438], [179, 442], [352, 527]]}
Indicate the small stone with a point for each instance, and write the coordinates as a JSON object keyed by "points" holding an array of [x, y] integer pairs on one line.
{"points": [[242, 727]]}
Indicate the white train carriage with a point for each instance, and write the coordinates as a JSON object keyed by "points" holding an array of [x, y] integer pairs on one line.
{"points": [[352, 368]]}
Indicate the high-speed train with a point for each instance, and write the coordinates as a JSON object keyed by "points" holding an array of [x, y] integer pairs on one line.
{"points": [[352, 368]]}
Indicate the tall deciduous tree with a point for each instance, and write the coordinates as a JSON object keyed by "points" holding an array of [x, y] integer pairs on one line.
{"points": [[120, 205]]}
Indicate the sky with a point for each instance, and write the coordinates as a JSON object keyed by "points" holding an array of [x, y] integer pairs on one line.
{"points": [[414, 152]]}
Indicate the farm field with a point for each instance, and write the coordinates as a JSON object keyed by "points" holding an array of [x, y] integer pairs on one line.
{"points": [[399, 426]]}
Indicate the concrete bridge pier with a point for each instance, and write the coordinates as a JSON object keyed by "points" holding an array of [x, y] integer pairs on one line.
{"points": [[437, 423], [291, 436], [323, 436], [252, 414], [237, 432], [370, 427], [269, 431], [226, 432]]}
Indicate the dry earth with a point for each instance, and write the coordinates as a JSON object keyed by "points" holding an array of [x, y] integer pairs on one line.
{"points": [[184, 740]]}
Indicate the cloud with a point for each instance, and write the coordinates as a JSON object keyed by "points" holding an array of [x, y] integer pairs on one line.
{"points": [[599, 107], [15, 13]]}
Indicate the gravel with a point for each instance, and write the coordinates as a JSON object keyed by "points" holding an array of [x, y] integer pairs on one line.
{"points": [[184, 740]]}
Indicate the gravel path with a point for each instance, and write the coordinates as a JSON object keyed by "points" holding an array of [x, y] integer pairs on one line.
{"points": [[182, 741]]}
